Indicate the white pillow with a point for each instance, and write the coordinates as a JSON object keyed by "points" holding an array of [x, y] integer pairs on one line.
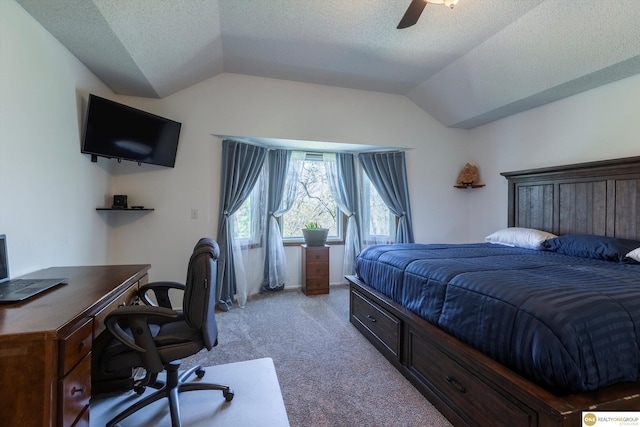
{"points": [[634, 254], [529, 238]]}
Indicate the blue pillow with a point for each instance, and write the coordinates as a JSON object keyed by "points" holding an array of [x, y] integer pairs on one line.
{"points": [[592, 246]]}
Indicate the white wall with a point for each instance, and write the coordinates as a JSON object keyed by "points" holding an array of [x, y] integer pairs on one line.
{"points": [[600, 124], [48, 190]]}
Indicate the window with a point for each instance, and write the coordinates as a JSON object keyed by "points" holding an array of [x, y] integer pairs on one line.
{"points": [[313, 202], [247, 222], [378, 222]]}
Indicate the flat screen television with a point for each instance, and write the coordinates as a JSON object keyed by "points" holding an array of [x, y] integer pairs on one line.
{"points": [[121, 132]]}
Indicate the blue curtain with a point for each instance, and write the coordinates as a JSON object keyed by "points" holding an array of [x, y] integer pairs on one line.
{"points": [[241, 167], [388, 174], [342, 178], [275, 267]]}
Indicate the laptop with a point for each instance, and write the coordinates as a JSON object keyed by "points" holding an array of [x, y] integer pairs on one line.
{"points": [[19, 289]]}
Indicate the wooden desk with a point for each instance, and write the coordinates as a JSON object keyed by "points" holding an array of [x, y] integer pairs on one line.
{"points": [[45, 343]]}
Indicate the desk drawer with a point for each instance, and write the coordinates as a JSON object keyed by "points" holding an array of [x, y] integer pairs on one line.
{"points": [[74, 392], [382, 325], [75, 346], [83, 420], [482, 404]]}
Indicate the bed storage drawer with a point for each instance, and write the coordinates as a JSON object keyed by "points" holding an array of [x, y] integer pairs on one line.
{"points": [[478, 403], [376, 322]]}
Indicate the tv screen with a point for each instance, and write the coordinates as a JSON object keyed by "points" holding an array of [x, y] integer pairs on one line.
{"points": [[118, 131]]}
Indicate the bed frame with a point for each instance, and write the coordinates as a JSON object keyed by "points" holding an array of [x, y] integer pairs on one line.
{"points": [[468, 387]]}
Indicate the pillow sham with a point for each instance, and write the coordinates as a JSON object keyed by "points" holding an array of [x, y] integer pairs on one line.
{"points": [[634, 255], [520, 237], [592, 246]]}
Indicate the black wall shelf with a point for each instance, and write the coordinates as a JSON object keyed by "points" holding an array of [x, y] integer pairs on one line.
{"points": [[125, 210], [469, 185]]}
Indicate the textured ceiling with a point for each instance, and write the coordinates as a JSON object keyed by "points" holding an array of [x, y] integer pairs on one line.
{"points": [[481, 61]]}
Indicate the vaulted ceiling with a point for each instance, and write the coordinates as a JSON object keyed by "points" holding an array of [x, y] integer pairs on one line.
{"points": [[481, 61]]}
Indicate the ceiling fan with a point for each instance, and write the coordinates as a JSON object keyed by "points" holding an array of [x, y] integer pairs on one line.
{"points": [[415, 9]]}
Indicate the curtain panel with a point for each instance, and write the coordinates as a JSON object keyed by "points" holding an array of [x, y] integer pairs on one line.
{"points": [[280, 195], [388, 173], [342, 178], [241, 168]]}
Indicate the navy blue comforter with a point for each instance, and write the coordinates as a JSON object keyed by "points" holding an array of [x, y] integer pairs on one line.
{"points": [[570, 324]]}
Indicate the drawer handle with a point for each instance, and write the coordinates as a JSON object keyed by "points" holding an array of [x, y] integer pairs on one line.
{"points": [[370, 317], [75, 391], [456, 384], [82, 345]]}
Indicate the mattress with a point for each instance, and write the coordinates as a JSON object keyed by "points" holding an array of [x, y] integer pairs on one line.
{"points": [[568, 323]]}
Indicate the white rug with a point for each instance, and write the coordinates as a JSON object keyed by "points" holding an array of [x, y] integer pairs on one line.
{"points": [[257, 401]]}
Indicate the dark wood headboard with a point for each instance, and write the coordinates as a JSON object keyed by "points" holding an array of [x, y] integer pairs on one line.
{"points": [[600, 198]]}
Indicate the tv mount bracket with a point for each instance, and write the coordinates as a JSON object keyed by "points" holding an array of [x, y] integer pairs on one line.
{"points": [[94, 159]]}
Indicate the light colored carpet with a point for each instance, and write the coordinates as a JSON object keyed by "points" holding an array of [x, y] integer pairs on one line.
{"points": [[330, 375], [257, 402]]}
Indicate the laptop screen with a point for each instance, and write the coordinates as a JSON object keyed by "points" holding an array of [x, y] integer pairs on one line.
{"points": [[4, 262]]}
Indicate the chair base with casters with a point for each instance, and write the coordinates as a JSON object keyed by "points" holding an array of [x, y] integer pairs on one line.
{"points": [[175, 383]]}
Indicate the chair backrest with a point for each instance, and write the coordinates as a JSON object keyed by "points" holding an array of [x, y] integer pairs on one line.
{"points": [[200, 287]]}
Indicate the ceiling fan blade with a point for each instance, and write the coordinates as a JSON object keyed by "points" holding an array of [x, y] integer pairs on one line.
{"points": [[412, 14]]}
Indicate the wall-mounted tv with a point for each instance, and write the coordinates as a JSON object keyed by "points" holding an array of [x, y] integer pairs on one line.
{"points": [[121, 132]]}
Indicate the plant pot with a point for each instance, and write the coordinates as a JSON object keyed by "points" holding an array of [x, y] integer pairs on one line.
{"points": [[315, 237]]}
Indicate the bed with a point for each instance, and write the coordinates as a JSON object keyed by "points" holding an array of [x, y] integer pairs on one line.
{"points": [[516, 335]]}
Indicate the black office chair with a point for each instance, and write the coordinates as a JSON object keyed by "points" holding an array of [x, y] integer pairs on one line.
{"points": [[156, 337]]}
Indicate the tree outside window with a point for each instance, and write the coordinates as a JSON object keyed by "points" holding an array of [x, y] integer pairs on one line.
{"points": [[313, 202]]}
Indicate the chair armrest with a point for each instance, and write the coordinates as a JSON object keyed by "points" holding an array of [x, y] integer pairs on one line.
{"points": [[138, 318], [160, 291]]}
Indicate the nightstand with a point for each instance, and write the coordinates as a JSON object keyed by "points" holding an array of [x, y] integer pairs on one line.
{"points": [[315, 269]]}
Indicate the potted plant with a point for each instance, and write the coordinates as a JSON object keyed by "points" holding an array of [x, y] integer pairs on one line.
{"points": [[314, 234]]}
